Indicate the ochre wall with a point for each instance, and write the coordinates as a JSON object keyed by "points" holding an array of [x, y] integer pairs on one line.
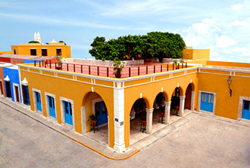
{"points": [[229, 64], [149, 92], [51, 49], [216, 81], [196, 54], [71, 89]]}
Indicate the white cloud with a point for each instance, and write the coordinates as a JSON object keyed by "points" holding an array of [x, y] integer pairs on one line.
{"points": [[243, 51], [224, 41], [237, 6]]}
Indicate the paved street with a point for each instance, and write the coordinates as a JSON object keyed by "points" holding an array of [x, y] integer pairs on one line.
{"points": [[203, 142]]}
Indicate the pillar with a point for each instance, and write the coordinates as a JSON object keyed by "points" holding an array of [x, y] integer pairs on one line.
{"points": [[192, 100], [119, 146], [182, 105], [167, 112], [149, 120], [83, 120]]}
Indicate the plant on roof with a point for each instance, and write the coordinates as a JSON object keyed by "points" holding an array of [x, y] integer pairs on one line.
{"points": [[118, 65], [34, 42], [59, 61], [154, 44], [62, 42]]}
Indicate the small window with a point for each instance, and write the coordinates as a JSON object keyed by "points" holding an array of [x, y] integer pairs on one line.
{"points": [[26, 98], [59, 51], [32, 51], [14, 51], [246, 105], [44, 52]]}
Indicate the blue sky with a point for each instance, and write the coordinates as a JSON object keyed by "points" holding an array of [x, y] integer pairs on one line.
{"points": [[222, 26]]}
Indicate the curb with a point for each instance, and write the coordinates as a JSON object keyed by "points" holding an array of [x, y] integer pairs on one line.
{"points": [[74, 139]]}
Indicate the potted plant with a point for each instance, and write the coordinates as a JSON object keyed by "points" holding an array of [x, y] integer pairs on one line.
{"points": [[118, 65], [59, 62], [93, 119], [175, 62]]}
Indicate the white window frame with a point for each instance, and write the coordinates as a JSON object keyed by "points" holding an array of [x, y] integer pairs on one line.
{"points": [[214, 101], [14, 91], [47, 105], [34, 100], [240, 108], [62, 111]]}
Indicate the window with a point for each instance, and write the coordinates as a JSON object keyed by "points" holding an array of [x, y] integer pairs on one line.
{"points": [[14, 51], [44, 52], [32, 51], [246, 105], [26, 97], [59, 51]]}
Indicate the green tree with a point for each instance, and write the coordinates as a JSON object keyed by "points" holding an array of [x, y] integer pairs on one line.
{"points": [[154, 44]]}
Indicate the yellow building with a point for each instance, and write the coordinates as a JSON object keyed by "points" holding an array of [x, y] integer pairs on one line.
{"points": [[38, 49], [190, 53]]}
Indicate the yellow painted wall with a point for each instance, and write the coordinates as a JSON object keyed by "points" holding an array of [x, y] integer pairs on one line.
{"points": [[229, 64], [6, 52], [226, 106], [77, 91], [196, 54], [24, 49], [150, 91]]}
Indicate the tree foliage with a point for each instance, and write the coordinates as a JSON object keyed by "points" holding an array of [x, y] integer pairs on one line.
{"points": [[154, 44], [34, 42]]}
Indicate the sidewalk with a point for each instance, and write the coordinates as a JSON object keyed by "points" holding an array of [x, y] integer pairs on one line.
{"points": [[95, 145]]}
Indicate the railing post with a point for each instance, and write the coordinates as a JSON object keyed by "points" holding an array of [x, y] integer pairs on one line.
{"points": [[167, 67], [161, 68], [74, 67], [146, 69], [173, 66], [89, 70], [81, 68], [55, 65], [49, 64], [39, 63], [186, 64], [138, 71], [129, 72], [154, 68], [67, 67], [182, 65], [34, 63], [178, 66], [98, 71], [45, 63], [107, 71]]}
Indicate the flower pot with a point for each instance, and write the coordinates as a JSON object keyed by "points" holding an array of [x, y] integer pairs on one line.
{"points": [[118, 73]]}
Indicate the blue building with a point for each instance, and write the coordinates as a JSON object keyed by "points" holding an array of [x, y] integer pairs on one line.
{"points": [[12, 84]]}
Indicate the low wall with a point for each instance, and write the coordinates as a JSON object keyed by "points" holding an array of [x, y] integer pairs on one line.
{"points": [[100, 62]]}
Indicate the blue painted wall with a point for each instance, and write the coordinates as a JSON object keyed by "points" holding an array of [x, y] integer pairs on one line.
{"points": [[28, 61], [14, 78]]}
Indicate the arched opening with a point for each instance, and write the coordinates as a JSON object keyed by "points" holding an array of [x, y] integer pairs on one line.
{"points": [[159, 112], [188, 97], [175, 102], [95, 117], [137, 120]]}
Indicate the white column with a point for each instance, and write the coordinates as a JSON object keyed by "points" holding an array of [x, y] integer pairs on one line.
{"points": [[149, 120], [167, 112], [182, 104], [192, 100], [83, 120], [119, 118]]}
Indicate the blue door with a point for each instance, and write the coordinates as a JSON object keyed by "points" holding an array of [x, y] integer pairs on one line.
{"points": [[207, 101], [246, 110], [26, 98], [51, 103], [38, 101], [101, 113], [68, 112]]}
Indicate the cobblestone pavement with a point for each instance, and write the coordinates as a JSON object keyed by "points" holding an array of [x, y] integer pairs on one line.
{"points": [[203, 142]]}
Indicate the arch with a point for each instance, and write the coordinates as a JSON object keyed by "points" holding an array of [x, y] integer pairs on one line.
{"points": [[189, 97], [91, 101]]}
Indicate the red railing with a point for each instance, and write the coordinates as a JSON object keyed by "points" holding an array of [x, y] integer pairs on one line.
{"points": [[107, 71]]}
